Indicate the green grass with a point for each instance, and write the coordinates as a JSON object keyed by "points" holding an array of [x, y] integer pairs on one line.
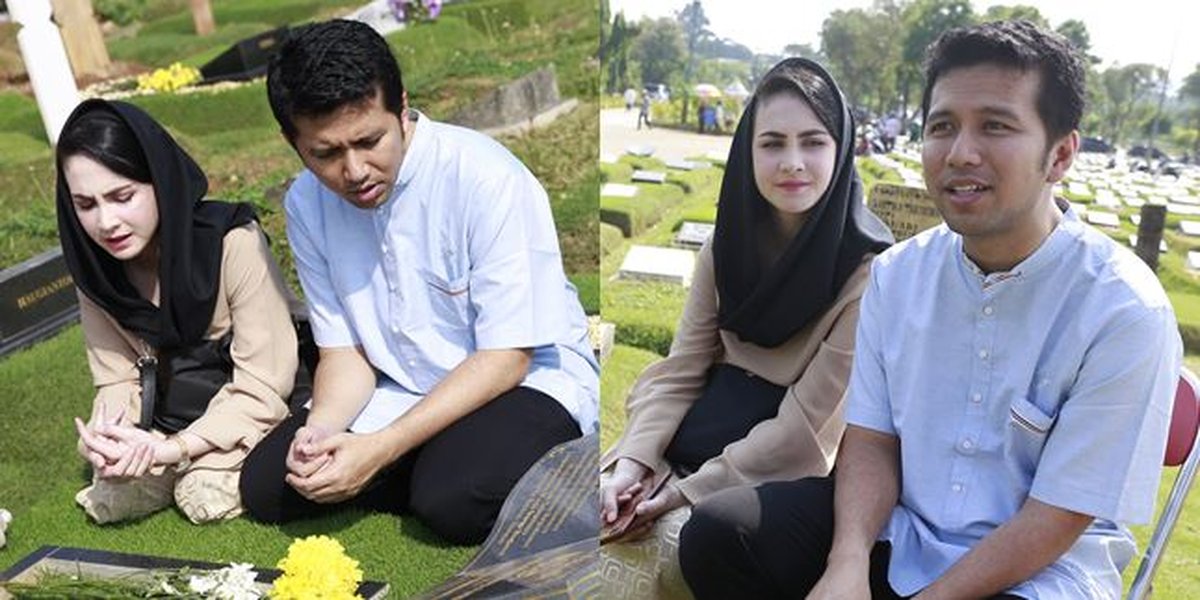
{"points": [[620, 372], [40, 472]]}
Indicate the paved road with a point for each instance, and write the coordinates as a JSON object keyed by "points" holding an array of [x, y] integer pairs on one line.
{"points": [[618, 132]]}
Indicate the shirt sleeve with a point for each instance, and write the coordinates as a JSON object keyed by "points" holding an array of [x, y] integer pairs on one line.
{"points": [[667, 389], [517, 286], [867, 401], [330, 325], [802, 440], [1103, 455], [263, 348]]}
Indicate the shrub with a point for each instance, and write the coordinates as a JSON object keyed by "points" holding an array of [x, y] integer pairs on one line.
{"points": [[121, 12]]}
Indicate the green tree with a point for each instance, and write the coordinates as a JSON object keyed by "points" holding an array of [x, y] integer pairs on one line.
{"points": [[1189, 95], [659, 50], [923, 21], [1124, 90], [1077, 33], [614, 54], [1016, 11], [695, 29], [861, 55], [803, 51]]}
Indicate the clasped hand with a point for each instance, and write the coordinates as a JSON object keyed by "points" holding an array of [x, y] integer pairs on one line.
{"points": [[625, 510], [119, 451], [330, 467]]}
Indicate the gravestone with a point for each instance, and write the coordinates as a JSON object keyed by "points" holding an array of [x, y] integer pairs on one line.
{"points": [[1193, 260], [649, 176], [1136, 219], [101, 563], [519, 105], [652, 263], [608, 158], [601, 336], [1103, 219], [546, 540], [693, 235], [1162, 244], [37, 298], [245, 59], [682, 165], [618, 190], [1191, 228], [1150, 234], [642, 151], [906, 210]]}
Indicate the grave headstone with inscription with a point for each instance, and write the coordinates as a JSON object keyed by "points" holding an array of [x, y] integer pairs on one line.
{"points": [[906, 210], [37, 298]]}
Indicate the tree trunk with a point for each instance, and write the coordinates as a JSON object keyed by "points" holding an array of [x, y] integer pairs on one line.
{"points": [[202, 16]]}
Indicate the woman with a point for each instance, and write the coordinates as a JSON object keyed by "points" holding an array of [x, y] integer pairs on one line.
{"points": [[751, 389], [185, 317]]}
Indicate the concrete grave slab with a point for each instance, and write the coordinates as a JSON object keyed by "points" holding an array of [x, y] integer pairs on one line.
{"points": [[640, 150], [1103, 219], [618, 190], [649, 176], [653, 263], [1162, 244], [693, 235], [1191, 228]]}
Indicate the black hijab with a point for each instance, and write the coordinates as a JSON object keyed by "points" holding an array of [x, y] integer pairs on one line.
{"points": [[190, 236], [767, 305]]}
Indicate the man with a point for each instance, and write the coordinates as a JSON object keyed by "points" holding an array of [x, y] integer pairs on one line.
{"points": [[1012, 380], [453, 350]]}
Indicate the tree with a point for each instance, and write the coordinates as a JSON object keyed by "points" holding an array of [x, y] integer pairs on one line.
{"points": [[861, 55], [1076, 32], [923, 21], [803, 51], [614, 54], [1189, 95], [695, 28], [1124, 89], [659, 49], [1016, 11]]}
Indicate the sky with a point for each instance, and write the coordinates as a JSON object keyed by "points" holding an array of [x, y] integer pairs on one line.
{"points": [[1160, 32]]}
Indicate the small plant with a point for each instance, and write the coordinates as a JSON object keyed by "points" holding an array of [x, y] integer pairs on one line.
{"points": [[415, 10]]}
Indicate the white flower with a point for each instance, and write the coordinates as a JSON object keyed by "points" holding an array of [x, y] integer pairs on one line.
{"points": [[235, 582]]}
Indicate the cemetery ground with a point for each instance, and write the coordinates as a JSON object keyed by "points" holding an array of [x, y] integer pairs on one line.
{"points": [[471, 49], [645, 313]]}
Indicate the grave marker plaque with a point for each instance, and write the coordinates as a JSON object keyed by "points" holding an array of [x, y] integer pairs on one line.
{"points": [[649, 176], [652, 263], [906, 210], [618, 190], [37, 298], [693, 235]]}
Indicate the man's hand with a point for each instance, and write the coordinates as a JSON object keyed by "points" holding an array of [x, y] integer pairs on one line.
{"points": [[350, 461], [844, 579], [302, 458]]}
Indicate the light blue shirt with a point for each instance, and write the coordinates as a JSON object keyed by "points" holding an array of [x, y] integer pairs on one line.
{"points": [[463, 256], [1052, 381]]}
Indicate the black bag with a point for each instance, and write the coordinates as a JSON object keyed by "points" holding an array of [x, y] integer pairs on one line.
{"points": [[178, 385]]}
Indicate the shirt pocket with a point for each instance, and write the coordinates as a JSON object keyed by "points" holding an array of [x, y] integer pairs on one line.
{"points": [[449, 300], [1028, 428]]}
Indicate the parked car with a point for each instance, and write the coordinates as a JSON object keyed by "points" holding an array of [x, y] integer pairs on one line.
{"points": [[1149, 152], [1095, 144]]}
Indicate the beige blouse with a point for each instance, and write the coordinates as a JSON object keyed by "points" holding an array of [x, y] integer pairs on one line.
{"points": [[814, 365], [251, 301]]}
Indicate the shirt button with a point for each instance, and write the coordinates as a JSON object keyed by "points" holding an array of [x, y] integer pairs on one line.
{"points": [[395, 329], [983, 354], [958, 488], [976, 397], [967, 445], [412, 363], [987, 310], [385, 249]]}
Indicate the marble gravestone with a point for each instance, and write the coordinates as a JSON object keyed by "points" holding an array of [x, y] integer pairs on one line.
{"points": [[37, 298], [652, 263], [906, 210]]}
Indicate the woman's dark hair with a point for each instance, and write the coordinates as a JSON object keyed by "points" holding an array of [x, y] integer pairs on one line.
{"points": [[324, 66], [794, 77], [104, 137]]}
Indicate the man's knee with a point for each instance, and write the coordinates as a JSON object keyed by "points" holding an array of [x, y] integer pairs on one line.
{"points": [[460, 514], [261, 487]]}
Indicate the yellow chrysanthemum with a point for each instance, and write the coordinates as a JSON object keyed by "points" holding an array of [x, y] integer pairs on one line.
{"points": [[169, 79], [317, 567]]}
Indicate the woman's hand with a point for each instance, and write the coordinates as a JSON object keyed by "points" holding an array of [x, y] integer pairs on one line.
{"points": [[117, 451], [618, 488], [649, 511]]}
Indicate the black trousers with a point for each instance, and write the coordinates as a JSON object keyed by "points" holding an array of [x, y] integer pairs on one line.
{"points": [[769, 541], [455, 483]]}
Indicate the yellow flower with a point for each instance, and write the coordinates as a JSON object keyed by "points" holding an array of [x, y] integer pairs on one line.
{"points": [[168, 79], [317, 567]]}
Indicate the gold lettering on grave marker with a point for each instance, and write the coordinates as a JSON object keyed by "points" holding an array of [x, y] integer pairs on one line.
{"points": [[905, 210], [43, 292]]}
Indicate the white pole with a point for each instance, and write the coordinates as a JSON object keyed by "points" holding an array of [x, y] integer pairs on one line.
{"points": [[46, 62]]}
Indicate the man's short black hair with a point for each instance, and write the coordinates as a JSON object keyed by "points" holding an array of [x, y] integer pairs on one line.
{"points": [[324, 66], [1021, 45]]}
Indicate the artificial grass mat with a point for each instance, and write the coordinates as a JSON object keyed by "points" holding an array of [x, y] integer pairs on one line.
{"points": [[43, 387]]}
